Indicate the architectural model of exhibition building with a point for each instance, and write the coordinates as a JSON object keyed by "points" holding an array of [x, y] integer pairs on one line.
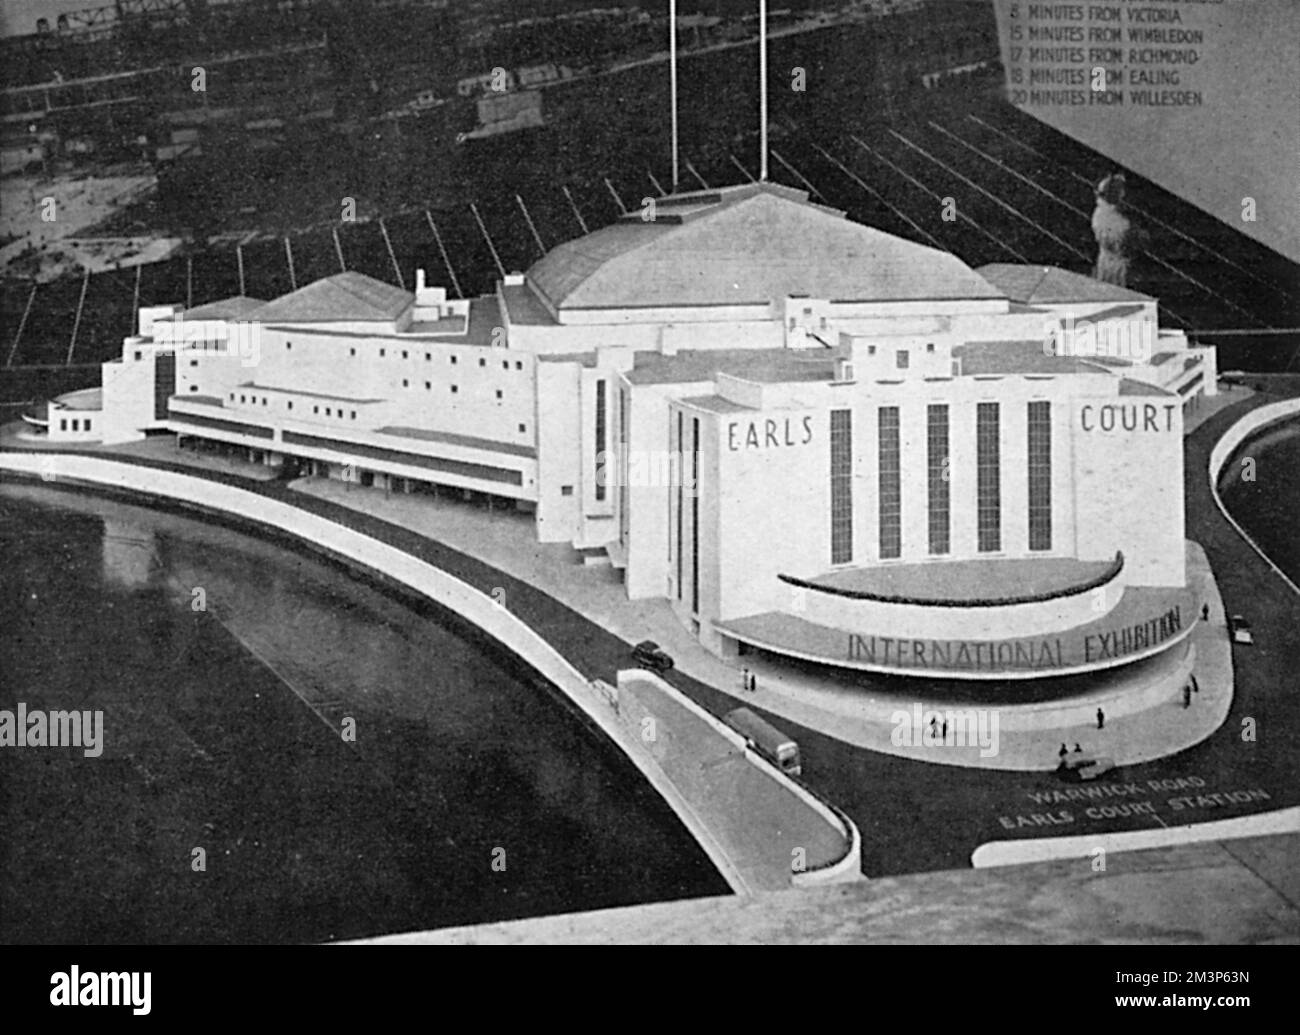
{"points": [[812, 438]]}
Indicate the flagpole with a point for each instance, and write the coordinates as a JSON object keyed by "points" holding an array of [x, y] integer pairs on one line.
{"points": [[762, 89], [672, 62]]}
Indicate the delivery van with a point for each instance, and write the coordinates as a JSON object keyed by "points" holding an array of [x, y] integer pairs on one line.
{"points": [[766, 739]]}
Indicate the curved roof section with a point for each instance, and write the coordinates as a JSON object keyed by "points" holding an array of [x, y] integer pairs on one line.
{"points": [[755, 243], [342, 297]]}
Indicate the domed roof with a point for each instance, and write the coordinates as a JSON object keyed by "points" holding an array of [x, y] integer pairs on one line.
{"points": [[755, 243]]}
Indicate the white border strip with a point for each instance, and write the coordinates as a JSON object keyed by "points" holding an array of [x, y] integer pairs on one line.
{"points": [[1084, 846], [1227, 445]]}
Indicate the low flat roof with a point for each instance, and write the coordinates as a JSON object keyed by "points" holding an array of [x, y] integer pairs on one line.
{"points": [[524, 307], [81, 399], [715, 404], [1016, 357], [1128, 386], [771, 366], [452, 439], [253, 386]]}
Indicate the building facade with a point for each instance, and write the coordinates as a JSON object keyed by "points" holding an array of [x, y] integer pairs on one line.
{"points": [[808, 436]]}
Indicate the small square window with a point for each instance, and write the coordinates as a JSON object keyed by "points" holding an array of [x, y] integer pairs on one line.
{"points": [[291, 404], [241, 398], [505, 364], [288, 345], [327, 412], [807, 311], [194, 362], [500, 394], [523, 428], [263, 400], [428, 386], [354, 414], [406, 383], [76, 425], [88, 425], [871, 350], [232, 396], [519, 365], [482, 362], [194, 388], [900, 359], [315, 409], [340, 414], [453, 359], [383, 352], [428, 356], [139, 355], [352, 351], [455, 389], [405, 355], [63, 425], [929, 346], [566, 490]]}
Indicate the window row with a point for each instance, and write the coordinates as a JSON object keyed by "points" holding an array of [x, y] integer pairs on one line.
{"points": [[428, 356], [76, 424]]}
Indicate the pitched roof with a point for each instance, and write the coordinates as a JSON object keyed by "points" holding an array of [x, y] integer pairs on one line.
{"points": [[1044, 285], [754, 243], [236, 307], [344, 296]]}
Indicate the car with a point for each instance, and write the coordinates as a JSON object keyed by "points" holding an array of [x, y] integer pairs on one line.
{"points": [[1080, 768], [649, 655], [1239, 630]]}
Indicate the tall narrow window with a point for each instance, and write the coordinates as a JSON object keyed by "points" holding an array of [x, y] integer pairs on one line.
{"points": [[1040, 475], [988, 478], [600, 440], [695, 519], [621, 451], [841, 486], [681, 464], [937, 474], [890, 484]]}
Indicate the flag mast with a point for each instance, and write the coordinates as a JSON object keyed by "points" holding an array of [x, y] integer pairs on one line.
{"points": [[762, 90], [672, 64]]}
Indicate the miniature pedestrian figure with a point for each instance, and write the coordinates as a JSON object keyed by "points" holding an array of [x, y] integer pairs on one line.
{"points": [[744, 679], [753, 683], [1063, 752], [1101, 719], [1205, 612], [1196, 689], [934, 727], [1077, 750], [945, 731], [1187, 695]]}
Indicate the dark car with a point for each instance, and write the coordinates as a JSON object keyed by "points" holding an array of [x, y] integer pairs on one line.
{"points": [[1239, 630], [648, 655]]}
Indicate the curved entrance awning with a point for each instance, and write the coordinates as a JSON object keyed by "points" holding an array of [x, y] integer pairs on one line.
{"points": [[1146, 621]]}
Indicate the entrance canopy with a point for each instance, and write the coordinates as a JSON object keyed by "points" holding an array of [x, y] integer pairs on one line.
{"points": [[1145, 622]]}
